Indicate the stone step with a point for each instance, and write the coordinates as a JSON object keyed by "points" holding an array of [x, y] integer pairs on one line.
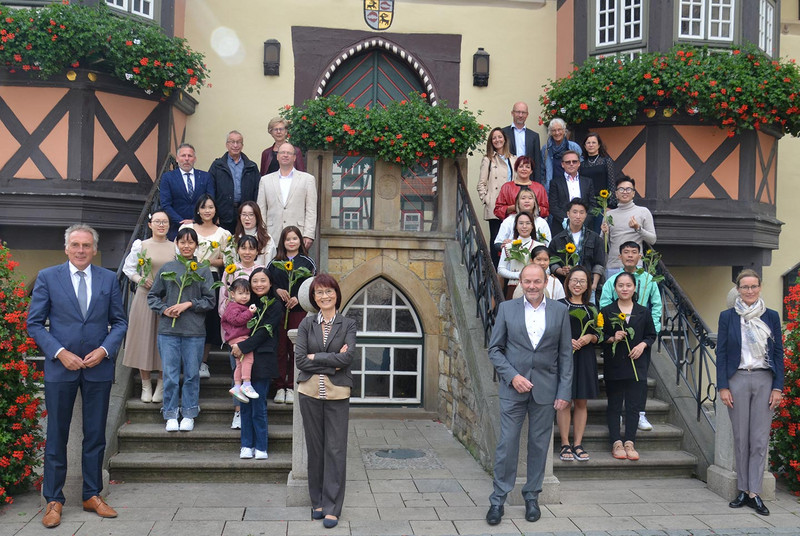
{"points": [[210, 437], [651, 387], [657, 410], [652, 464], [595, 438], [193, 466], [212, 410]]}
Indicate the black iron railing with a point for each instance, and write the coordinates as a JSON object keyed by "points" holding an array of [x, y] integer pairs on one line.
{"points": [[475, 255], [140, 231], [689, 342]]}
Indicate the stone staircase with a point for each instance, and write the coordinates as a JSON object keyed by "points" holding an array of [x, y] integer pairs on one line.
{"points": [[209, 453], [661, 455]]}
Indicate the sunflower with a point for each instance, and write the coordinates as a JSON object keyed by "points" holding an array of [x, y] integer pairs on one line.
{"points": [[570, 248], [193, 266], [230, 268], [604, 194], [214, 244], [289, 265], [516, 242], [141, 262], [600, 320], [622, 316]]}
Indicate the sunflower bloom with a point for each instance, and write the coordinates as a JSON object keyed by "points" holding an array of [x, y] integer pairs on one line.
{"points": [[141, 262], [289, 265], [193, 266], [214, 244], [230, 268], [604, 194], [570, 248], [600, 320], [517, 242], [622, 316]]}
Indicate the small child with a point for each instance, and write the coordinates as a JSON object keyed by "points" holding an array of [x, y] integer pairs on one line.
{"points": [[234, 326]]}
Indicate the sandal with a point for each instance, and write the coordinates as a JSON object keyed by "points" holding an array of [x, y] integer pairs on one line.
{"points": [[618, 451], [630, 452], [566, 453], [580, 453]]}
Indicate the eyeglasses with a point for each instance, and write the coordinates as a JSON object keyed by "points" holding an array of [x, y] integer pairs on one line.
{"points": [[248, 216], [570, 161], [750, 288], [234, 142], [290, 153], [278, 129], [520, 112], [577, 282], [325, 292], [160, 222], [625, 189]]}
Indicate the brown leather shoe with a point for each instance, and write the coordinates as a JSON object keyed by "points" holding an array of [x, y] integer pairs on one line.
{"points": [[97, 505], [52, 515]]}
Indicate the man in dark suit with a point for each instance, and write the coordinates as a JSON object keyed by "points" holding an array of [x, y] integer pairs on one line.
{"points": [[81, 301], [182, 187], [531, 350], [235, 179], [566, 188], [522, 141]]}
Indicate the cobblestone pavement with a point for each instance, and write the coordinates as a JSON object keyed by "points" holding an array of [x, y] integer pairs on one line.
{"points": [[433, 488]]}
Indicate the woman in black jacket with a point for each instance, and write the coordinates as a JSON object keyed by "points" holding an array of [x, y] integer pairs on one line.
{"points": [[264, 345]]}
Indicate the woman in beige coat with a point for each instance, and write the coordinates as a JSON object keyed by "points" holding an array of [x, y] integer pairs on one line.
{"points": [[496, 169]]}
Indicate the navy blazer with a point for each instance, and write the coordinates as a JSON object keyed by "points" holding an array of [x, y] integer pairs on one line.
{"points": [[532, 150], [549, 367], [175, 200], [559, 199], [729, 347], [54, 298]]}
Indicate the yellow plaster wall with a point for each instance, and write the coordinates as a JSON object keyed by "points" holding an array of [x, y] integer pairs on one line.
{"points": [[519, 36]]}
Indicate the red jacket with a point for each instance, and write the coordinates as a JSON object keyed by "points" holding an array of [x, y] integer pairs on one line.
{"points": [[508, 195], [266, 158]]}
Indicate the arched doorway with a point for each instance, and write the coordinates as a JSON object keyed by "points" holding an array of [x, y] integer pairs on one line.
{"points": [[387, 368]]}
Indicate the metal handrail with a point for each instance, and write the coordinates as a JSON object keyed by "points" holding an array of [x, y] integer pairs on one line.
{"points": [[152, 203], [689, 342], [481, 273]]}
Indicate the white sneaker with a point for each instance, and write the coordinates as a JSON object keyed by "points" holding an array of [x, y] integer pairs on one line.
{"points": [[237, 394], [172, 425], [261, 455], [280, 396], [204, 373], [249, 392], [644, 424], [237, 421], [187, 424], [246, 453], [289, 396]]}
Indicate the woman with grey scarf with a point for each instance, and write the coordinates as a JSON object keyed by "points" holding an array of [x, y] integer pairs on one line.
{"points": [[750, 382]]}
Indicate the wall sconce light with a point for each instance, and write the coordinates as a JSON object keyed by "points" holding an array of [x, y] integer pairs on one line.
{"points": [[272, 57], [480, 68]]}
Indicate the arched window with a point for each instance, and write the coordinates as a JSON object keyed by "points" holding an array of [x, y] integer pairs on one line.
{"points": [[387, 368]]}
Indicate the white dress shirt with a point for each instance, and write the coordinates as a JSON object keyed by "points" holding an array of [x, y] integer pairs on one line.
{"points": [[186, 179], [76, 280], [285, 184], [573, 186], [535, 321]]}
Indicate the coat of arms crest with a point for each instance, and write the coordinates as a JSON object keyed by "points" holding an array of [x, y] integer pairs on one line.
{"points": [[378, 13]]}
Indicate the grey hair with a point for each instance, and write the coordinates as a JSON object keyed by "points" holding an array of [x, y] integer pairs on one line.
{"points": [[234, 132], [747, 272], [187, 145], [81, 227], [558, 122]]}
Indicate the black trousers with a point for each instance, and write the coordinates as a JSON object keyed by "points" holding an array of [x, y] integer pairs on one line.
{"points": [[325, 424], [629, 393]]}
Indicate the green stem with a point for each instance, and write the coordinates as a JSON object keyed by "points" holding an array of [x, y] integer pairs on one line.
{"points": [[180, 293]]}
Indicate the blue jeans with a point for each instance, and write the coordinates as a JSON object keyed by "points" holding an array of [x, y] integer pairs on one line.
{"points": [[254, 418], [177, 352]]}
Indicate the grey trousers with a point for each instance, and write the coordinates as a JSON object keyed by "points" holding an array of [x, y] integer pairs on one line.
{"points": [[540, 430], [751, 419], [325, 424]]}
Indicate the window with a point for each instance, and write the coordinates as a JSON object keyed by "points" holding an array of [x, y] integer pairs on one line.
{"points": [[387, 368], [412, 221], [618, 22], [766, 25], [143, 8], [351, 199], [708, 20]]}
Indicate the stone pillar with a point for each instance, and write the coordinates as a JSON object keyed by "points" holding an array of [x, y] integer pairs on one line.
{"points": [[722, 475]]}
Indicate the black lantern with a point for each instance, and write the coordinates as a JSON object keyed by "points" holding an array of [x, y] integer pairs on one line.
{"points": [[272, 57], [480, 68]]}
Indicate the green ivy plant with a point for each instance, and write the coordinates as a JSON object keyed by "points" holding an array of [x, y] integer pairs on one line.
{"points": [[49, 40], [404, 132], [737, 89]]}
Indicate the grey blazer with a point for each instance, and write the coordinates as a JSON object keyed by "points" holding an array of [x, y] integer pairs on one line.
{"points": [[327, 357], [549, 367]]}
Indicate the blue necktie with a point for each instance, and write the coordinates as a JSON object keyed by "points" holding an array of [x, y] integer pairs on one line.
{"points": [[83, 294], [189, 185]]}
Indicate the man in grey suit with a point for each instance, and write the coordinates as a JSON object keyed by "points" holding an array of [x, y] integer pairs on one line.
{"points": [[531, 349]]}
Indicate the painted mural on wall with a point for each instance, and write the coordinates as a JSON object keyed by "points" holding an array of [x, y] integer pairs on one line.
{"points": [[378, 13]]}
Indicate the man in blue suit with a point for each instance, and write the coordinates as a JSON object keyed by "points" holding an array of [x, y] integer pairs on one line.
{"points": [[81, 301], [182, 187], [531, 350]]}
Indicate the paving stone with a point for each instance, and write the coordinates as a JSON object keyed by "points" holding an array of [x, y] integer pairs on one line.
{"points": [[438, 485], [407, 513], [606, 523], [577, 510], [392, 486], [724, 521], [209, 513], [506, 526], [255, 528], [359, 498], [388, 474], [600, 497], [457, 499], [305, 528], [102, 527], [145, 514], [425, 503], [280, 513], [360, 514], [379, 528], [186, 528], [671, 522], [432, 528], [388, 499], [10, 528], [635, 509], [784, 520], [462, 512], [545, 524]]}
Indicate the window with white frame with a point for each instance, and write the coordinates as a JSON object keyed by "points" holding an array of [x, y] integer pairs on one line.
{"points": [[708, 20], [143, 8], [387, 367], [766, 26], [618, 22], [412, 221]]}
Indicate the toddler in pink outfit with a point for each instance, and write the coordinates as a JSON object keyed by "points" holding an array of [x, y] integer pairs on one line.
{"points": [[234, 327]]}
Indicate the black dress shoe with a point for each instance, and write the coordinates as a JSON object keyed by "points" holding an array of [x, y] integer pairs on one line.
{"points": [[743, 499], [532, 512], [495, 514], [758, 505]]}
